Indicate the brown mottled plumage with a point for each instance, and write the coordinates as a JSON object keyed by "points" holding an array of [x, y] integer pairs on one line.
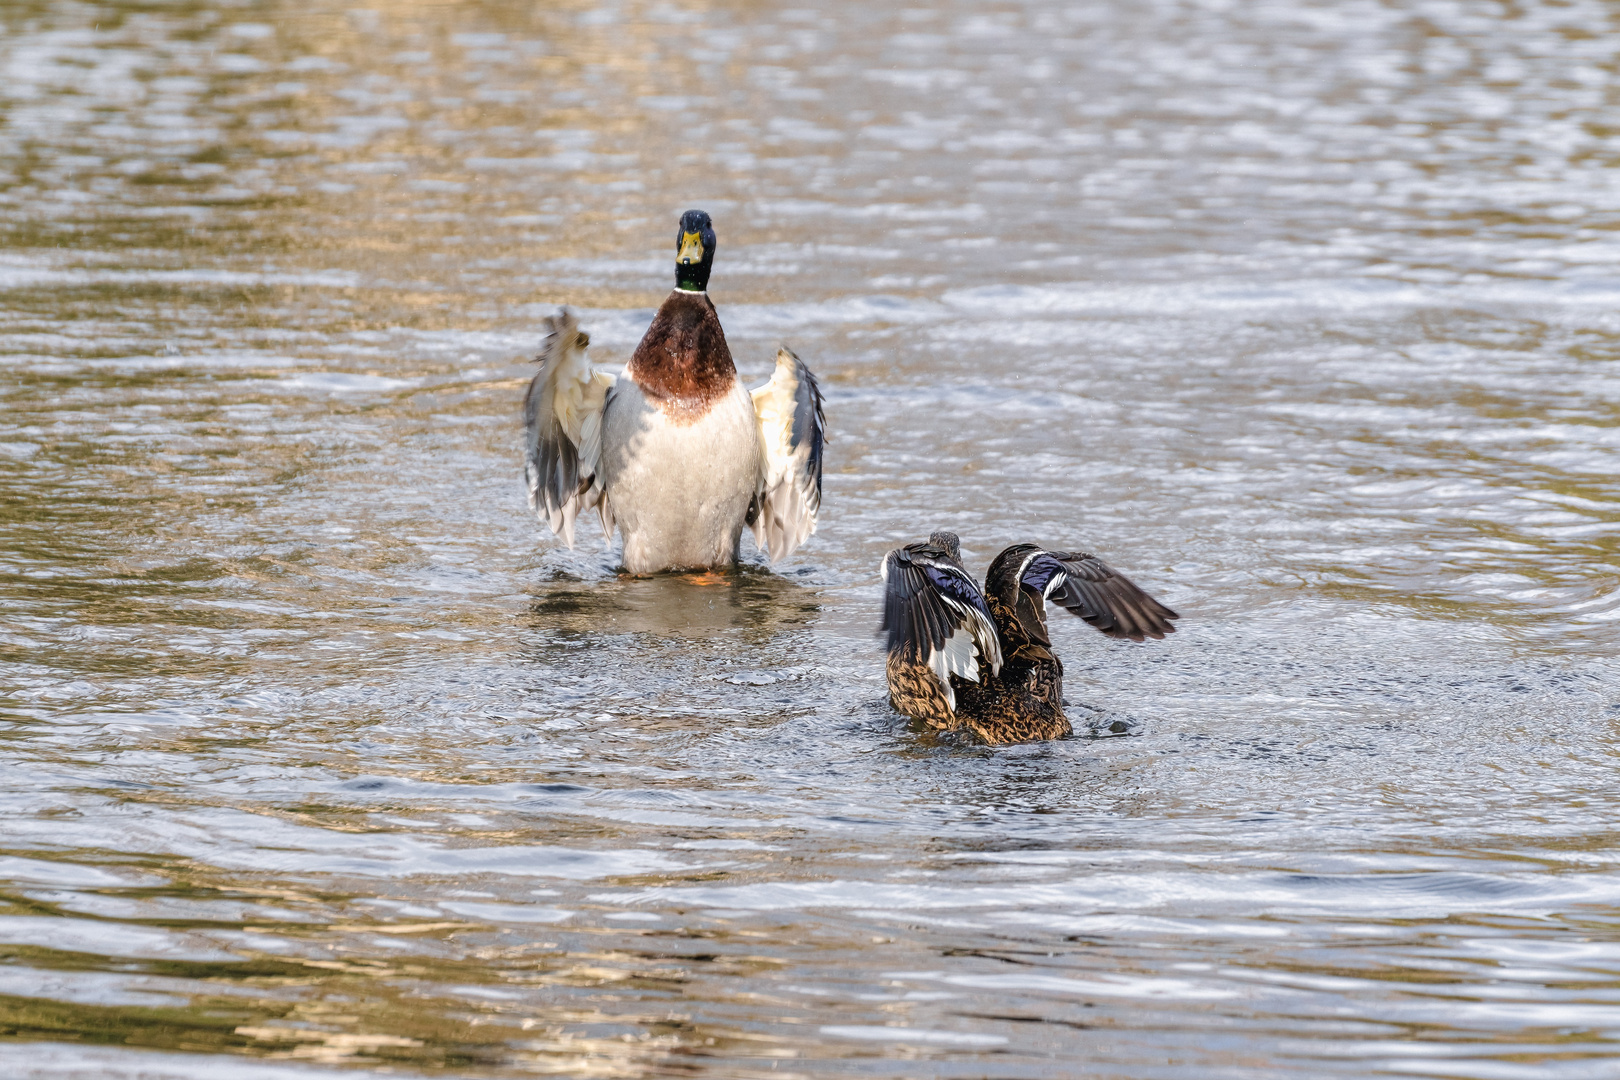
{"points": [[1021, 703], [981, 660], [917, 692]]}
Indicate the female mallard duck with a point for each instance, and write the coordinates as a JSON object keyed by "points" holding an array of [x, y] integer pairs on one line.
{"points": [[674, 451], [962, 657]]}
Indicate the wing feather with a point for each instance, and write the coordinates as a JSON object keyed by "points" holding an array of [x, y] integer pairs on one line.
{"points": [[792, 430], [1097, 593], [935, 614], [562, 420]]}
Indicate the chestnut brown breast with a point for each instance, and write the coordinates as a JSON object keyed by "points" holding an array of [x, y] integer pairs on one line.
{"points": [[683, 363]]}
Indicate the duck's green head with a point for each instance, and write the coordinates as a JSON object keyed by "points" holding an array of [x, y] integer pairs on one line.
{"points": [[694, 251]]}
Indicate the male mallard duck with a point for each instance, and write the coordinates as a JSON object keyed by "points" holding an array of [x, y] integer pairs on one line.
{"points": [[961, 657], [674, 450]]}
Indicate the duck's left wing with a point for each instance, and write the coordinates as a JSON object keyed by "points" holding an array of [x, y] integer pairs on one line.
{"points": [[935, 615], [791, 432], [1098, 593], [562, 416]]}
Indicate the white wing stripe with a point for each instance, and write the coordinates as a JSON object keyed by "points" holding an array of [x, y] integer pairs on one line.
{"points": [[957, 657], [1019, 577], [982, 631]]}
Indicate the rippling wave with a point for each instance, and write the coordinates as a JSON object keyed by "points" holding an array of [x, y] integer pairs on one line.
{"points": [[320, 758]]}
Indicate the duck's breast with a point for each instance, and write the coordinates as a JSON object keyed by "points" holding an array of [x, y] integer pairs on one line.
{"points": [[679, 481]]}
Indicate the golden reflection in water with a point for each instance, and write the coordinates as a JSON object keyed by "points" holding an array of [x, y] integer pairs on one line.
{"points": [[461, 151], [447, 154], [289, 666]]}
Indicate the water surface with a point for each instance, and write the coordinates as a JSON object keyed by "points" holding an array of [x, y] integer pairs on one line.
{"points": [[318, 752]]}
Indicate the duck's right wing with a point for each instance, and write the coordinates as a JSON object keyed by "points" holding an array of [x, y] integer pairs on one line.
{"points": [[935, 615], [562, 420], [792, 431], [1098, 593]]}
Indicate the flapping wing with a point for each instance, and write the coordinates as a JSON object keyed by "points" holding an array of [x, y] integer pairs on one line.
{"points": [[791, 430], [934, 614], [1098, 593], [562, 419]]}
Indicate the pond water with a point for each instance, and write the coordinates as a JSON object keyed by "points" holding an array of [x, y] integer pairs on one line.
{"points": [[318, 751]]}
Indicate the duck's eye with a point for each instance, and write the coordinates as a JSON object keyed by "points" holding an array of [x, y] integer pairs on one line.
{"points": [[584, 339]]}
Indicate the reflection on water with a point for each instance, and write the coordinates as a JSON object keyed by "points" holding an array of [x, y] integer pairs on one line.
{"points": [[673, 606], [318, 753]]}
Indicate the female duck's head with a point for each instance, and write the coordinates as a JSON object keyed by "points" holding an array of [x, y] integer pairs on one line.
{"points": [[694, 252]]}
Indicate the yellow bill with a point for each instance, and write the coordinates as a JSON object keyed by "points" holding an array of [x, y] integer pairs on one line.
{"points": [[691, 248]]}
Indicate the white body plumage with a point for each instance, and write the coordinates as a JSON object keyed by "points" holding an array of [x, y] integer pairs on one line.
{"points": [[679, 491]]}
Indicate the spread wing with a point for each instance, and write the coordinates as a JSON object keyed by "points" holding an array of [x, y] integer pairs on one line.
{"points": [[935, 615], [791, 431], [562, 419], [1098, 593]]}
